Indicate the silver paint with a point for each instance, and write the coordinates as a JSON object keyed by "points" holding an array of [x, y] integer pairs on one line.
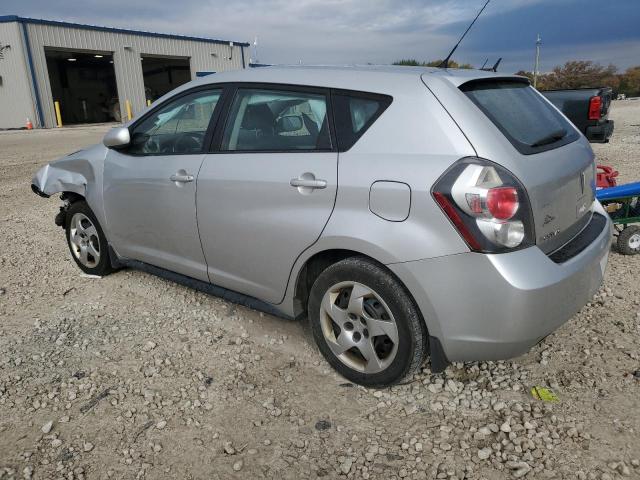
{"points": [[390, 200], [254, 223], [250, 221], [117, 137], [151, 217]]}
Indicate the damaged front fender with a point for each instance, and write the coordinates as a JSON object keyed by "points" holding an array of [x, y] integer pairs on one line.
{"points": [[75, 173], [65, 175], [76, 176]]}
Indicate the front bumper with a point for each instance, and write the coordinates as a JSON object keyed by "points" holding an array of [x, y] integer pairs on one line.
{"points": [[491, 307]]}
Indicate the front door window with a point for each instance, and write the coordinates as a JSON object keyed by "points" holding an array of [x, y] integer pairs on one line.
{"points": [[178, 127]]}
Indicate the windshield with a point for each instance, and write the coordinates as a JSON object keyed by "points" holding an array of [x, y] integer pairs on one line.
{"points": [[528, 121]]}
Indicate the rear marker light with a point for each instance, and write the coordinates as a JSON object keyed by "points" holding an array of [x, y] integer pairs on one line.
{"points": [[457, 221], [595, 104]]}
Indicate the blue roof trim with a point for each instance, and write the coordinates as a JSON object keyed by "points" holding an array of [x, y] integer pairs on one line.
{"points": [[56, 23]]}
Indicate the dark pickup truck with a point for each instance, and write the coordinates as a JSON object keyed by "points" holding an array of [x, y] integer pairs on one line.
{"points": [[587, 108]]}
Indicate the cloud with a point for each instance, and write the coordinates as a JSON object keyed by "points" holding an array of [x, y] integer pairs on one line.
{"points": [[362, 31]]}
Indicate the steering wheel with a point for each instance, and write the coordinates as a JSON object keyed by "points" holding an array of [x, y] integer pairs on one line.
{"points": [[151, 145], [188, 143]]}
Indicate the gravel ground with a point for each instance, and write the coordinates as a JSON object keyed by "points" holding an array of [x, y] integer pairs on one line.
{"points": [[131, 376]]}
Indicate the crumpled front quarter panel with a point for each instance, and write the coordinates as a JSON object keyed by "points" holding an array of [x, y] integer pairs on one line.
{"points": [[64, 176], [81, 173]]}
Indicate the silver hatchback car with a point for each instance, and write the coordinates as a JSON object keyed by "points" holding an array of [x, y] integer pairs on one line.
{"points": [[407, 212]]}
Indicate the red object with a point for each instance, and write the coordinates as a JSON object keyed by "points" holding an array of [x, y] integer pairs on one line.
{"points": [[29, 125], [606, 177], [595, 103], [450, 211], [502, 202]]}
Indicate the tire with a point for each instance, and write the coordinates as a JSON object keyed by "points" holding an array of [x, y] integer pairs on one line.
{"points": [[629, 240], [86, 240], [365, 323]]}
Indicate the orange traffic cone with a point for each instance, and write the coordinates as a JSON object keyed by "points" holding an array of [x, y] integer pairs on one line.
{"points": [[29, 124]]}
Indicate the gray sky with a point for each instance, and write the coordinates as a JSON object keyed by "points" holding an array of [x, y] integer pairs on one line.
{"points": [[379, 31]]}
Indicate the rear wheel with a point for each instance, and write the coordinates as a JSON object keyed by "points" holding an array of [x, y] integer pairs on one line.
{"points": [[629, 240], [86, 240], [365, 323]]}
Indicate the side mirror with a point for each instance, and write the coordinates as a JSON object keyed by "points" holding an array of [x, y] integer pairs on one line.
{"points": [[117, 137]]}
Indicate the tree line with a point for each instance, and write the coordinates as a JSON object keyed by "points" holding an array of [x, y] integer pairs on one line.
{"points": [[412, 62], [584, 73], [573, 74]]}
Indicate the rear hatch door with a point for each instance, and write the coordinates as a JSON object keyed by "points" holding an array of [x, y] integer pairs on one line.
{"points": [[561, 189], [510, 123]]}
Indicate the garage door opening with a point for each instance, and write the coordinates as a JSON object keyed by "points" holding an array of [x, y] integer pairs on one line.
{"points": [[163, 74], [85, 85]]}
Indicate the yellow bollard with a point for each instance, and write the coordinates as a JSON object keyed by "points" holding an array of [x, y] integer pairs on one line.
{"points": [[148, 102], [129, 113], [56, 105]]}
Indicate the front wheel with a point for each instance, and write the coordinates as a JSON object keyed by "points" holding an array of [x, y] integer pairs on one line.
{"points": [[86, 240], [365, 323]]}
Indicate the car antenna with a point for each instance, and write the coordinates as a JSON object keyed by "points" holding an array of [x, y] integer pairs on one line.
{"points": [[492, 69], [483, 65], [445, 62]]}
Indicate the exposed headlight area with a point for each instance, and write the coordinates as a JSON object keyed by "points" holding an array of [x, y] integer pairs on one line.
{"points": [[487, 204]]}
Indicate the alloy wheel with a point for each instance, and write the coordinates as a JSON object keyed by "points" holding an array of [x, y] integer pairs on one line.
{"points": [[359, 327], [83, 237]]}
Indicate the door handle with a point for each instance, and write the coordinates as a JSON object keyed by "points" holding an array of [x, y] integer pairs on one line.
{"points": [[182, 178], [308, 183]]}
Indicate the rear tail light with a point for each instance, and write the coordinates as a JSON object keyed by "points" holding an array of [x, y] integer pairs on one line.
{"points": [[502, 202], [487, 205], [595, 104]]}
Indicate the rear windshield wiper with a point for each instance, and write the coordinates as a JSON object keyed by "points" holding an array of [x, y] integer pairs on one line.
{"points": [[552, 137]]}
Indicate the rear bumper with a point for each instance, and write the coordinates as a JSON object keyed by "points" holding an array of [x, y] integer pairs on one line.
{"points": [[600, 133], [490, 307]]}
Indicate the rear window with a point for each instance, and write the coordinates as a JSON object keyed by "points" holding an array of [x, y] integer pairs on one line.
{"points": [[355, 112], [528, 122]]}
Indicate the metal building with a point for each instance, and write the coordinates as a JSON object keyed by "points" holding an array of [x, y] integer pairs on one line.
{"points": [[96, 74]]}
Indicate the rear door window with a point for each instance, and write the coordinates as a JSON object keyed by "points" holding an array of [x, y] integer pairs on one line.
{"points": [[528, 121], [277, 121], [355, 112]]}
